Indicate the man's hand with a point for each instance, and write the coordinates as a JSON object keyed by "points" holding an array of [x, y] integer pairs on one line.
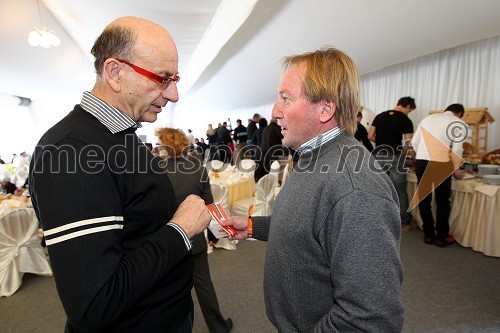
{"points": [[192, 215], [458, 174], [240, 224]]}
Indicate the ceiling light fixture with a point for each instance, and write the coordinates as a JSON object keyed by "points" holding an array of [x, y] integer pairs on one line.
{"points": [[41, 35], [8, 100]]}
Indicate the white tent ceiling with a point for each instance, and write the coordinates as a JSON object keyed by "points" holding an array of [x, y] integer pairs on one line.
{"points": [[245, 70]]}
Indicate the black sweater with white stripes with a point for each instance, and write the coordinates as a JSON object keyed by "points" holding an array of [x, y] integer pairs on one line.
{"points": [[104, 203]]}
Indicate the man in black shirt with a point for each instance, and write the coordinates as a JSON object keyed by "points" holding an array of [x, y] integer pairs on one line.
{"points": [[240, 133], [252, 127], [201, 146], [272, 148], [224, 141], [387, 130], [362, 134]]}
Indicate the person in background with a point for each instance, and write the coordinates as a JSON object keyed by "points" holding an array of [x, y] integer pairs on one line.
{"points": [[224, 142], [7, 186], [21, 164], [212, 140], [240, 133], [388, 130], [252, 127], [362, 134], [211, 135], [240, 137], [333, 261], [257, 135], [202, 143], [201, 146], [117, 239], [190, 137], [271, 146], [188, 176], [432, 145], [257, 142]]}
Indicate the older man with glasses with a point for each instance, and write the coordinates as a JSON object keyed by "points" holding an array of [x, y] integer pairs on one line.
{"points": [[117, 239]]}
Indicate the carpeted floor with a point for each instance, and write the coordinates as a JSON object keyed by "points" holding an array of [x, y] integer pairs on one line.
{"points": [[452, 289]]}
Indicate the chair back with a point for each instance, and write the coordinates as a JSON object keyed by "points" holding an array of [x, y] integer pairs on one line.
{"points": [[214, 165], [264, 195], [247, 165], [286, 173], [275, 170], [20, 249], [220, 195]]}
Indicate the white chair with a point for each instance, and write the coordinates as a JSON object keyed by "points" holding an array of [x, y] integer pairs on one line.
{"points": [[214, 165], [286, 173], [20, 250], [275, 170], [247, 165], [221, 195], [263, 200]]}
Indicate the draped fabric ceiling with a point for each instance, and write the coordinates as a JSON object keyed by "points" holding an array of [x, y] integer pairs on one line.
{"points": [[236, 45]]}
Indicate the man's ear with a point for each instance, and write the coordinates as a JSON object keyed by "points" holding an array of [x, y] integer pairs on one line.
{"points": [[111, 73], [327, 111]]}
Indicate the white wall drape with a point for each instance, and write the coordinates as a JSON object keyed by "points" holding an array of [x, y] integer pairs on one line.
{"points": [[468, 74]]}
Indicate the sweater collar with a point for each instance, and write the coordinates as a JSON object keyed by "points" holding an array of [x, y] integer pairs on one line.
{"points": [[319, 140], [114, 120]]}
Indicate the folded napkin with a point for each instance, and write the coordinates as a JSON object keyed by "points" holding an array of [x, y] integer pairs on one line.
{"points": [[489, 190]]}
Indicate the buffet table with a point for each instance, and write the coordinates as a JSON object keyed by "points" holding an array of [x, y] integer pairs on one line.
{"points": [[475, 213]]}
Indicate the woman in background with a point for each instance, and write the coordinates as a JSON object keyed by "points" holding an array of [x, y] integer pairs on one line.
{"points": [[188, 176]]}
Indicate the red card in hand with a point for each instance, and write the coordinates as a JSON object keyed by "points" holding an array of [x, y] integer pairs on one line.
{"points": [[218, 214]]}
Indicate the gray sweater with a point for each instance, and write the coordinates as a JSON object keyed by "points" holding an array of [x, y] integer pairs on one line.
{"points": [[333, 261]]}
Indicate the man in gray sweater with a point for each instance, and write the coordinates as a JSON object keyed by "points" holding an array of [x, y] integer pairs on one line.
{"points": [[333, 261]]}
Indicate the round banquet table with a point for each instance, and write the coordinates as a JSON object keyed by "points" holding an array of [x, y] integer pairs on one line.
{"points": [[474, 217], [239, 185], [13, 202]]}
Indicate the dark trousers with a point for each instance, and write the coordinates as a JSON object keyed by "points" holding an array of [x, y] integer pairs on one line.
{"points": [[438, 180], [207, 297], [223, 153], [187, 325]]}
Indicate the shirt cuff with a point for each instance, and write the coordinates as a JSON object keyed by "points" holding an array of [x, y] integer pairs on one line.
{"points": [[187, 241]]}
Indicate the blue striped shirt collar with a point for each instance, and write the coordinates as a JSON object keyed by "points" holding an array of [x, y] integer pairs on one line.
{"points": [[319, 140], [107, 114]]}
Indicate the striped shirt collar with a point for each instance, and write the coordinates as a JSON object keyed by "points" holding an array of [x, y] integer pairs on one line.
{"points": [[107, 115], [319, 140]]}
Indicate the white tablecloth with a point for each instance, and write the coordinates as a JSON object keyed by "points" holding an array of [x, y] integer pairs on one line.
{"points": [[239, 185], [14, 202], [475, 213]]}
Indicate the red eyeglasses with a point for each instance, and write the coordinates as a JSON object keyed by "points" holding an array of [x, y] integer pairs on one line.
{"points": [[163, 81]]}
